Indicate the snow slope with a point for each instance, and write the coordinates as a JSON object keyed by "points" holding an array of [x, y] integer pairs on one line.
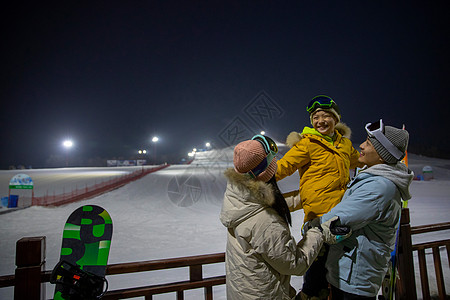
{"points": [[174, 212]]}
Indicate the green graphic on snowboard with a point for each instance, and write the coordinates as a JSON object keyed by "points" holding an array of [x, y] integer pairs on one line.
{"points": [[86, 242]]}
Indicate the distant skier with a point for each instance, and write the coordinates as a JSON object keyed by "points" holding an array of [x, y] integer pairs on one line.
{"points": [[261, 254], [371, 206]]}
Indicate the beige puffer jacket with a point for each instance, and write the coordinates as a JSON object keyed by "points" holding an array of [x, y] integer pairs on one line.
{"points": [[261, 253]]}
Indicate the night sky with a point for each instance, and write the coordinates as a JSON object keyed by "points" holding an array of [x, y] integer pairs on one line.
{"points": [[112, 74]]}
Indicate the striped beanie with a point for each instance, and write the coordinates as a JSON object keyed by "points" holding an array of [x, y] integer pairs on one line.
{"points": [[398, 137]]}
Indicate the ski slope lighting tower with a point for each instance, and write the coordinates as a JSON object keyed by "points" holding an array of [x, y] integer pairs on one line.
{"points": [[155, 140], [67, 144]]}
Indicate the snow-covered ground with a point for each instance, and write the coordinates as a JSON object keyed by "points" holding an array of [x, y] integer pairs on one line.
{"points": [[175, 212], [63, 180]]}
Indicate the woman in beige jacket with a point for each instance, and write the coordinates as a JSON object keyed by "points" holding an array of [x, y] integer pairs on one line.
{"points": [[261, 253]]}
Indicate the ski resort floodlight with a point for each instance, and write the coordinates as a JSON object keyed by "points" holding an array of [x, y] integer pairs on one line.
{"points": [[263, 132], [67, 144], [208, 144], [155, 139]]}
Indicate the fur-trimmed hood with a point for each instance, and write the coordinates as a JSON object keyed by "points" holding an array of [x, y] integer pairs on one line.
{"points": [[244, 197], [295, 137]]}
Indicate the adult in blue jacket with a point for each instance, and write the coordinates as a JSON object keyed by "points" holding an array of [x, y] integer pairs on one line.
{"points": [[371, 206]]}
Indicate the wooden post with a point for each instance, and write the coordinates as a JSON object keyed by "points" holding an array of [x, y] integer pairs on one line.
{"points": [[423, 274], [406, 289], [30, 261], [439, 273], [208, 293], [195, 273]]}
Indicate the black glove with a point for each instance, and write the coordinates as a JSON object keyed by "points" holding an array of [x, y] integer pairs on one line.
{"points": [[334, 233]]}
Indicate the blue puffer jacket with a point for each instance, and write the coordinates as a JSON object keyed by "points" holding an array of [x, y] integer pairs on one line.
{"points": [[371, 206]]}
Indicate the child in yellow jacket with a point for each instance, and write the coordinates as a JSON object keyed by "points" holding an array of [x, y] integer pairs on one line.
{"points": [[323, 156]]}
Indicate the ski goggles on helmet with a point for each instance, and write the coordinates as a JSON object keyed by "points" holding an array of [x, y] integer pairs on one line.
{"points": [[270, 148], [376, 130], [323, 102]]}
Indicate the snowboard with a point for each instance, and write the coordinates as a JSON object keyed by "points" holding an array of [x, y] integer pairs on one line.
{"points": [[80, 273]]}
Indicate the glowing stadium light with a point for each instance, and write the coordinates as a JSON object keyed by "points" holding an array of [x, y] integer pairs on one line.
{"points": [[68, 144], [155, 139]]}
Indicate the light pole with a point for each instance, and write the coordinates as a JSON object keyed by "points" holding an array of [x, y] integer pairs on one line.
{"points": [[142, 154], [155, 139], [141, 158], [67, 144]]}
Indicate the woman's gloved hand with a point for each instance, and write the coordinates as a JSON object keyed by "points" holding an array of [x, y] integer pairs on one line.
{"points": [[334, 233]]}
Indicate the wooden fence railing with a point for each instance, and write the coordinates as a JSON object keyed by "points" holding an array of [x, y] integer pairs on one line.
{"points": [[195, 281], [406, 287], [30, 275]]}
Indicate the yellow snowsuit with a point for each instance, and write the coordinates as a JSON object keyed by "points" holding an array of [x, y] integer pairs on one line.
{"points": [[323, 167]]}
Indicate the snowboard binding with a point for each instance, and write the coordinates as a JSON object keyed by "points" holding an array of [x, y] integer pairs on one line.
{"points": [[77, 283]]}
